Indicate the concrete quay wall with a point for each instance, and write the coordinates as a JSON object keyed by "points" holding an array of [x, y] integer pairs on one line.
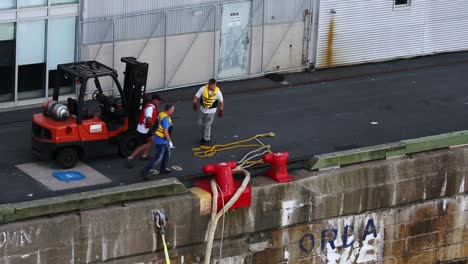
{"points": [[407, 209]]}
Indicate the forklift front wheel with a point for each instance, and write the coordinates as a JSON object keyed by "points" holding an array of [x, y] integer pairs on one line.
{"points": [[66, 158], [128, 143]]}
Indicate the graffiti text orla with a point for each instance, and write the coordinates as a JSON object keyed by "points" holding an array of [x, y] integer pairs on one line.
{"points": [[17, 238], [355, 239]]}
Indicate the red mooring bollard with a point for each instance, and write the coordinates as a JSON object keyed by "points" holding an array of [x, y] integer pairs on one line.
{"points": [[227, 184], [223, 175], [279, 166]]}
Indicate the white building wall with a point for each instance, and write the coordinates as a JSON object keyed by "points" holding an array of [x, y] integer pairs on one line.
{"points": [[275, 11], [352, 31], [446, 27], [137, 28], [285, 55], [186, 66]]}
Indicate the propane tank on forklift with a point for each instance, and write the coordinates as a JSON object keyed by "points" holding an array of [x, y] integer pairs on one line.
{"points": [[55, 110]]}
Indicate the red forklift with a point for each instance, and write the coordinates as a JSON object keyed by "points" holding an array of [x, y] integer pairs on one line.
{"points": [[68, 132]]}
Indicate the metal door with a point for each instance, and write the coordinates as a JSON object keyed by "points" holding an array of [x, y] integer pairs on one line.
{"points": [[235, 40]]}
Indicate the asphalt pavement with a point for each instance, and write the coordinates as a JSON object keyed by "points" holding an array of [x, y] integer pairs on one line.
{"points": [[310, 113]]}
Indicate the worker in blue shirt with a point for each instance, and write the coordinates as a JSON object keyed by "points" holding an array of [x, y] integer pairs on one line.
{"points": [[162, 143]]}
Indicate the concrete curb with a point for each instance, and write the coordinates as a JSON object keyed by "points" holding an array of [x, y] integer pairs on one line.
{"points": [[404, 147], [91, 199]]}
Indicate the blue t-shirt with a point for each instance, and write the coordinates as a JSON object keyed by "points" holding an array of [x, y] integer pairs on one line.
{"points": [[159, 140]]}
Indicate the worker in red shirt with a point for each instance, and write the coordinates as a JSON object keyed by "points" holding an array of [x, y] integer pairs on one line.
{"points": [[147, 119]]}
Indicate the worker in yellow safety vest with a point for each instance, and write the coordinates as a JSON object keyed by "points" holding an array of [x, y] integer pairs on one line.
{"points": [[162, 143], [211, 99]]}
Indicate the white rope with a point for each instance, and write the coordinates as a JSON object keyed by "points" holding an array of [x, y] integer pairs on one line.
{"points": [[222, 226], [249, 165], [245, 156], [212, 224], [243, 162], [215, 216]]}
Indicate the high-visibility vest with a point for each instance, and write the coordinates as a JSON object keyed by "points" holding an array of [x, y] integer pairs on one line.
{"points": [[207, 100], [142, 118], [160, 131]]}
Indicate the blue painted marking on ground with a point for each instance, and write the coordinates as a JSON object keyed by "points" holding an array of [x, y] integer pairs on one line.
{"points": [[68, 176]]}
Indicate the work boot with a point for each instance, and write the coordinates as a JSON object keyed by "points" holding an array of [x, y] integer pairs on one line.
{"points": [[204, 142]]}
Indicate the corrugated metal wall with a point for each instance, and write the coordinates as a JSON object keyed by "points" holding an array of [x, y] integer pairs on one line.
{"points": [[175, 36], [352, 32], [94, 9], [275, 11], [195, 18], [446, 27]]}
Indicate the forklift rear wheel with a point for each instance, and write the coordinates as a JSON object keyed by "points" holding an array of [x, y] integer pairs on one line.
{"points": [[128, 143], [67, 158]]}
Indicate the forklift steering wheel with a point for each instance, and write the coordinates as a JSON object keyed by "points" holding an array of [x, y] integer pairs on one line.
{"points": [[94, 96], [108, 107], [101, 98]]}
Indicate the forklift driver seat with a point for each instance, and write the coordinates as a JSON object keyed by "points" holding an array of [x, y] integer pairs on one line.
{"points": [[72, 105]]}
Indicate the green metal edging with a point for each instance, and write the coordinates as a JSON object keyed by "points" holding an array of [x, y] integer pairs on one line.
{"points": [[353, 156], [6, 209], [91, 199], [403, 147], [436, 142]]}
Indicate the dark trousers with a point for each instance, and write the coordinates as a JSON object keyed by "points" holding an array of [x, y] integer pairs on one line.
{"points": [[161, 154]]}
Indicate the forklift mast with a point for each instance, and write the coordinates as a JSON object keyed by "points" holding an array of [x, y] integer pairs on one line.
{"points": [[134, 88]]}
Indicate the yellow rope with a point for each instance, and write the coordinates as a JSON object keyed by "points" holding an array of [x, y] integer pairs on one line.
{"points": [[210, 151], [166, 252]]}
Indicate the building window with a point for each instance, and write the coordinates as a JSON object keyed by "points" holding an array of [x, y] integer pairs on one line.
{"points": [[31, 3], [402, 2], [60, 49], [7, 4], [32, 44], [31, 59], [61, 2], [7, 62]]}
